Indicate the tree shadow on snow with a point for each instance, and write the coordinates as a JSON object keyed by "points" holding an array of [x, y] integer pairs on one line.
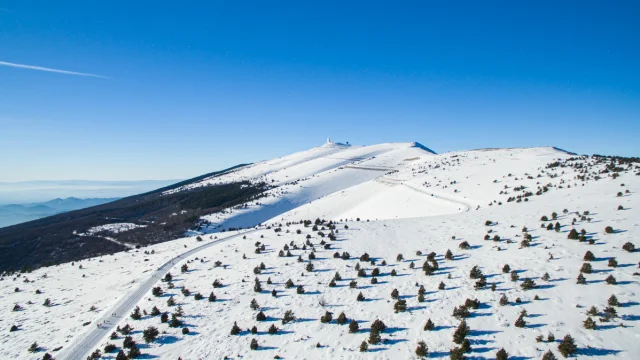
{"points": [[167, 339], [589, 351]]}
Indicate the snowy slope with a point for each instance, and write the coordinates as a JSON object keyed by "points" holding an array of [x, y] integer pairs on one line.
{"points": [[407, 199], [311, 175]]}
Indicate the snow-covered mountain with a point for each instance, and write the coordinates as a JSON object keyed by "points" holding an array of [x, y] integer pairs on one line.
{"points": [[338, 231]]}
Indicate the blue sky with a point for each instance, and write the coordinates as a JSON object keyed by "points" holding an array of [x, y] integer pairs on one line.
{"points": [[191, 87]]}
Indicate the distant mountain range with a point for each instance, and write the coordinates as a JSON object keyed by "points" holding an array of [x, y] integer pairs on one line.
{"points": [[29, 192], [18, 213]]}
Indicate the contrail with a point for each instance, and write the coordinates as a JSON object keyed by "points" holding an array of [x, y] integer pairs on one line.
{"points": [[32, 67]]}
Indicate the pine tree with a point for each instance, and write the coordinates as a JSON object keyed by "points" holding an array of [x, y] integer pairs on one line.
{"points": [[611, 280], [300, 289], [326, 318], [448, 255], [528, 284], [235, 330], [461, 332], [378, 325], [254, 305], [254, 344], [261, 316], [374, 337], [342, 319], [581, 280], [589, 324], [613, 301], [174, 322], [272, 329], [567, 347], [289, 284], [514, 276], [353, 327], [171, 301], [586, 268], [134, 352], [520, 322], [466, 346], [135, 315], [212, 297], [34, 347], [549, 356], [395, 294], [288, 317], [364, 347], [502, 354], [429, 325], [150, 334], [360, 297], [503, 300], [456, 354], [121, 355], [400, 306], [422, 350]]}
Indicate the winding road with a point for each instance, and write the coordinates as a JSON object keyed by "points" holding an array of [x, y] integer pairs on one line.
{"points": [[90, 340]]}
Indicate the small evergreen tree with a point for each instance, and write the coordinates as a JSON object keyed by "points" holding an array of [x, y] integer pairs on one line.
{"points": [[502, 355], [400, 306], [613, 301], [272, 329], [235, 329], [429, 325], [456, 354], [549, 356], [374, 337], [135, 315], [567, 347], [150, 334], [422, 350], [326, 318], [342, 319], [364, 346], [461, 332], [254, 344], [288, 317], [581, 280], [121, 355], [395, 294], [353, 327], [589, 324]]}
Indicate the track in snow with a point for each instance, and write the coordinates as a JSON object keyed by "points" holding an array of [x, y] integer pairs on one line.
{"points": [[91, 340]]}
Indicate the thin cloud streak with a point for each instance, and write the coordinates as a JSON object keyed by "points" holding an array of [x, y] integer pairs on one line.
{"points": [[40, 68]]}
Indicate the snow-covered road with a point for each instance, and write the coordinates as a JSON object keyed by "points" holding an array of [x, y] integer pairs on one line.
{"points": [[89, 341]]}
